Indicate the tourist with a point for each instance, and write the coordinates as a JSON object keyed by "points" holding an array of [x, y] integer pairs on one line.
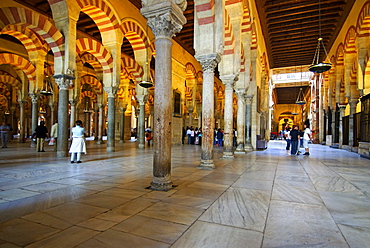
{"points": [[41, 133], [78, 142]]}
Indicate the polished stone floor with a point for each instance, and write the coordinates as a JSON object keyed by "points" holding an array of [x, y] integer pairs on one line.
{"points": [[260, 199]]}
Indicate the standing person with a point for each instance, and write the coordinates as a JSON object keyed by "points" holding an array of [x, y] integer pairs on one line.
{"points": [[4, 134], [78, 142], [41, 133], [54, 134], [288, 139], [220, 137], [306, 138], [192, 136], [148, 136], [188, 133], [294, 137], [235, 135]]}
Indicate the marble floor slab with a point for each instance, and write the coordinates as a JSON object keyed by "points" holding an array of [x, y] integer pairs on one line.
{"points": [[258, 199]]}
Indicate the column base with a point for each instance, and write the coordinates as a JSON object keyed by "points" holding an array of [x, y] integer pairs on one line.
{"points": [[206, 165], [141, 146], [248, 148], [99, 142], [110, 149], [228, 155], [121, 141], [161, 184], [62, 154], [239, 149]]}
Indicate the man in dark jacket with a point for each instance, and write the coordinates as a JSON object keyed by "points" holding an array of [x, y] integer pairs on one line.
{"points": [[41, 133], [294, 138]]}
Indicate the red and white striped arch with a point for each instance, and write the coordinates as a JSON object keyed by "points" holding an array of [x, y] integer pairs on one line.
{"points": [[205, 12], [340, 55], [189, 94], [98, 50], [21, 63], [27, 37], [11, 81], [246, 22], [132, 67], [37, 23], [93, 61], [121, 94], [3, 102], [242, 60], [102, 14], [135, 35], [350, 40], [190, 71], [228, 36], [4, 90], [94, 83], [89, 94], [363, 20]]}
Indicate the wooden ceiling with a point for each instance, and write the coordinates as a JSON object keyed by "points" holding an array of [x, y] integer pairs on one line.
{"points": [[291, 28]]}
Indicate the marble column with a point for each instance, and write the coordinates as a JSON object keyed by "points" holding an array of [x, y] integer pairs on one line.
{"points": [[64, 81], [190, 110], [100, 125], [228, 81], [22, 121], [111, 118], [353, 105], [165, 19], [248, 123], [209, 63], [96, 122], [342, 108], [333, 113], [240, 121], [122, 125], [35, 113], [141, 124]]}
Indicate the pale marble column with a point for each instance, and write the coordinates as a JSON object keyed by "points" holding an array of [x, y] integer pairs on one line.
{"points": [[141, 124], [122, 125], [248, 122], [64, 81], [240, 121], [111, 117], [333, 112], [342, 108], [35, 113], [165, 19], [228, 81], [100, 128], [209, 63], [96, 121], [353, 105], [22, 121]]}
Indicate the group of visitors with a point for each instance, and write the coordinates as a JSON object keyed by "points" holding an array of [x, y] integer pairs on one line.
{"points": [[293, 138], [194, 135]]}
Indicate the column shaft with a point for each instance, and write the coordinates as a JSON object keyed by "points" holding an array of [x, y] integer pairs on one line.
{"points": [[228, 117], [34, 116], [248, 123], [100, 126], [141, 127], [240, 121], [111, 124], [62, 141]]}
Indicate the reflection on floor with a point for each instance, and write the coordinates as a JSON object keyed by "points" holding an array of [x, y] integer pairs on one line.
{"points": [[259, 199]]}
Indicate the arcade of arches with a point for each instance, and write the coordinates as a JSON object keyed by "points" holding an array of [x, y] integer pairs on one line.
{"points": [[227, 84]]}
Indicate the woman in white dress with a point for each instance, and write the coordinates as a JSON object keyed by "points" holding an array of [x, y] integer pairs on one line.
{"points": [[78, 142]]}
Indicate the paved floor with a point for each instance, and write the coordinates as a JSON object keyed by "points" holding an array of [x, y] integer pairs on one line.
{"points": [[260, 199]]}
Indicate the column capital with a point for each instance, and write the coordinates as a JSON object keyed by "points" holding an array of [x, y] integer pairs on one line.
{"points": [[142, 99], [229, 81], [64, 81], [22, 102], [164, 18], [208, 61], [240, 93], [34, 97], [248, 99], [111, 91]]}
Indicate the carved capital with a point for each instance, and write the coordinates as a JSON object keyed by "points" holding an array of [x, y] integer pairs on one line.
{"points": [[165, 18], [209, 61], [240, 93], [73, 102], [248, 99], [34, 97], [22, 103], [111, 91], [229, 81], [64, 81]]}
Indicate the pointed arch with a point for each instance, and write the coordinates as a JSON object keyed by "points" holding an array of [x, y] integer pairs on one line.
{"points": [[98, 50], [190, 71]]}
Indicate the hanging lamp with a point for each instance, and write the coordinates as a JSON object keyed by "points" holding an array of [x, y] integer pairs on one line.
{"points": [[48, 88], [146, 83], [300, 99], [319, 67]]}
